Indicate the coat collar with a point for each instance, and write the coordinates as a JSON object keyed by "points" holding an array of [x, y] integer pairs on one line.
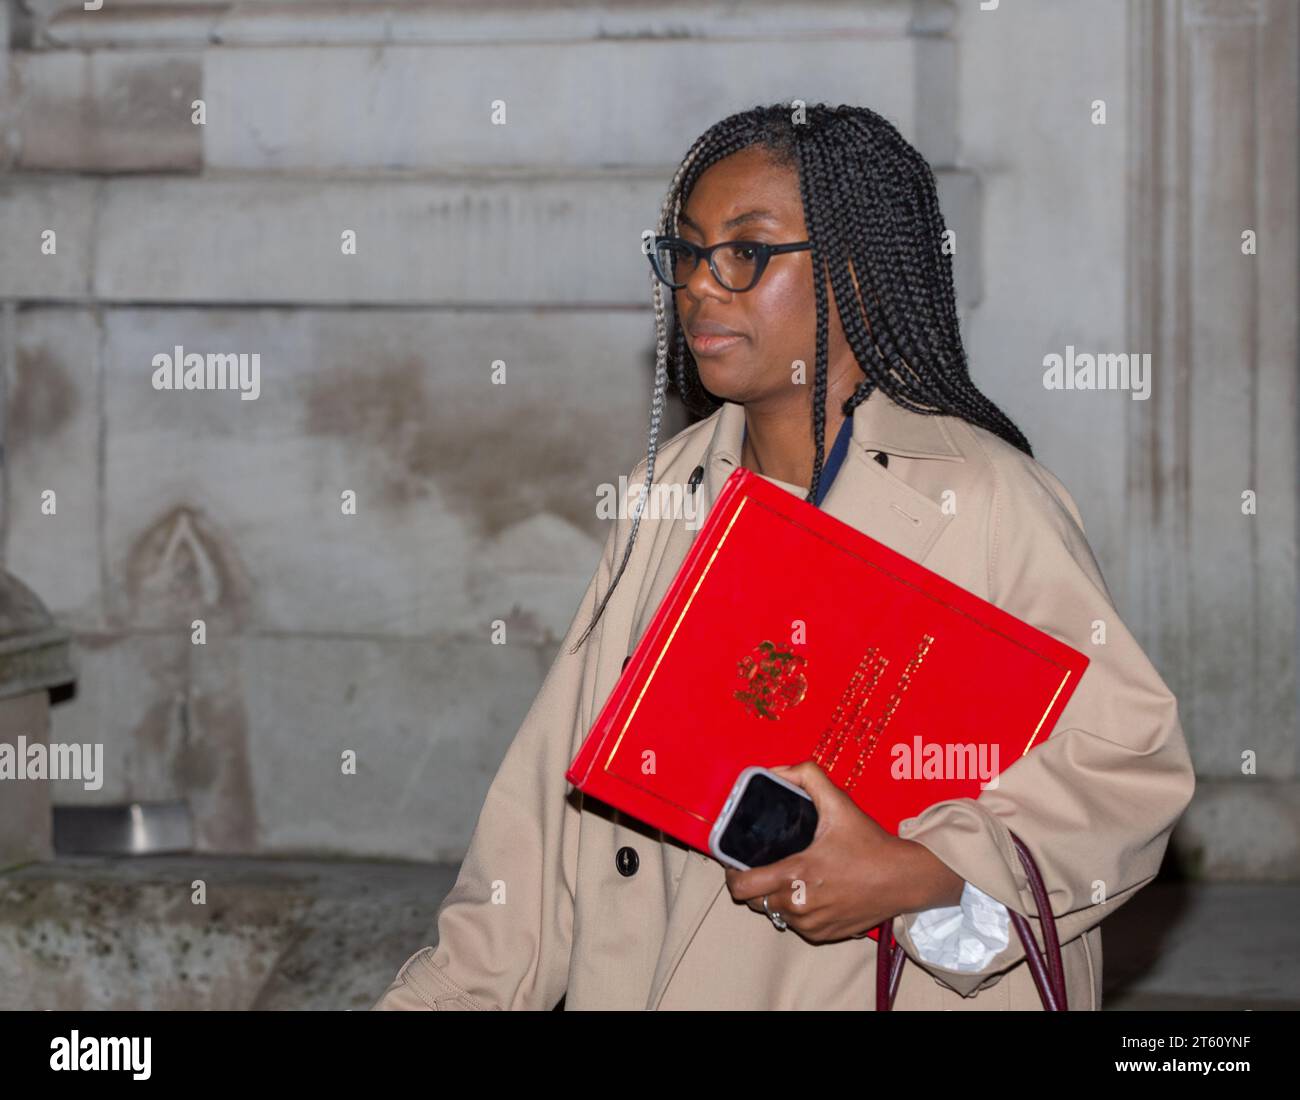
{"points": [[879, 424], [866, 496]]}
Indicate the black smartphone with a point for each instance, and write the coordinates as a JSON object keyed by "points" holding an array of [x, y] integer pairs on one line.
{"points": [[764, 819]]}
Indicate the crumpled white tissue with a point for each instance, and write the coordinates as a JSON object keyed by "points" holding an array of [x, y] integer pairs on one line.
{"points": [[964, 937]]}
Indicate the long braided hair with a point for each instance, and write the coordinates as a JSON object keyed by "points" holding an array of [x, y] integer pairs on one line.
{"points": [[869, 198]]}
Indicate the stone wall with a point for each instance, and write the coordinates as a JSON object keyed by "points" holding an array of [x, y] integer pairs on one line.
{"points": [[479, 243]]}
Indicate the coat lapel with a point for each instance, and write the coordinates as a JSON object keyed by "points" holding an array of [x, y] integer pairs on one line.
{"points": [[866, 496]]}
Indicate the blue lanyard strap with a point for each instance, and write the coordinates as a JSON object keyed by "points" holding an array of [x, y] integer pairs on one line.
{"points": [[833, 460]]}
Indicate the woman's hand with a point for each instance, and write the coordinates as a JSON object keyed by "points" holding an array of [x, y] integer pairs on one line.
{"points": [[854, 874]]}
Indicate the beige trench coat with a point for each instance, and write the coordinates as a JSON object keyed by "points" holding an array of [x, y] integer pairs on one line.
{"points": [[1095, 803]]}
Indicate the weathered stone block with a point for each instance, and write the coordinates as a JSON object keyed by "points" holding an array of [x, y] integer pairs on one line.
{"points": [[107, 111], [53, 447], [232, 510]]}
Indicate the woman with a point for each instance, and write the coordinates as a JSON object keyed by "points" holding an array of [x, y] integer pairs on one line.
{"points": [[564, 898]]}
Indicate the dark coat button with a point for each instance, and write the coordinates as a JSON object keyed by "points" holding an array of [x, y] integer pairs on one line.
{"points": [[697, 475], [627, 861], [882, 458]]}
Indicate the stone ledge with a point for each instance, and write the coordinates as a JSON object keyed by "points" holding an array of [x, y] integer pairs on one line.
{"points": [[35, 654], [248, 22], [249, 239], [429, 107], [100, 933], [123, 934]]}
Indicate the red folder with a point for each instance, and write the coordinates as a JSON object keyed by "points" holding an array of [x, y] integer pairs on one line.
{"points": [[788, 635]]}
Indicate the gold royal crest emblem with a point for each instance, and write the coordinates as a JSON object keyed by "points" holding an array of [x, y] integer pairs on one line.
{"points": [[773, 680]]}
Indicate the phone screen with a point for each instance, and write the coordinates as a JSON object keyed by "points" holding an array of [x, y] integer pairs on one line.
{"points": [[770, 823]]}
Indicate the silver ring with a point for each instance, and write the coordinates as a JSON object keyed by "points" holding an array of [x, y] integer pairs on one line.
{"points": [[775, 918]]}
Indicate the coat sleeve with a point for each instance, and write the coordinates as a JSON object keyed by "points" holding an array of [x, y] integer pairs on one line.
{"points": [[504, 932], [1097, 801]]}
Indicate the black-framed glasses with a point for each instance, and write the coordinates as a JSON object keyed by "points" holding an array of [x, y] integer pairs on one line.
{"points": [[737, 265]]}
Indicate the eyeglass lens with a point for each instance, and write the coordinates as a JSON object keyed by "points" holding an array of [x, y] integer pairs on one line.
{"points": [[737, 264]]}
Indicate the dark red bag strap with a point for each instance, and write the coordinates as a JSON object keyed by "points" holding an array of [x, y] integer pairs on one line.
{"points": [[1046, 967]]}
